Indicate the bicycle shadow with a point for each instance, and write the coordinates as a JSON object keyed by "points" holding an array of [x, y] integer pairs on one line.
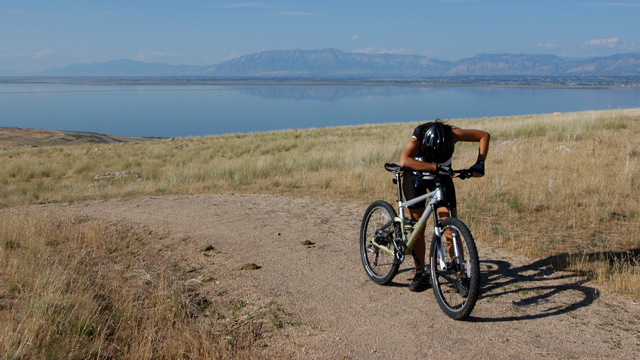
{"points": [[541, 289], [405, 281]]}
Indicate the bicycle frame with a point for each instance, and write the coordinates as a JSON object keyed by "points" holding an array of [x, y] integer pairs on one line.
{"points": [[388, 233], [418, 227]]}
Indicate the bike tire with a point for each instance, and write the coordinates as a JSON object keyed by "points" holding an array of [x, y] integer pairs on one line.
{"points": [[447, 292], [381, 266]]}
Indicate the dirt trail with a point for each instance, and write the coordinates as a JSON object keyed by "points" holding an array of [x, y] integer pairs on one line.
{"points": [[334, 311]]}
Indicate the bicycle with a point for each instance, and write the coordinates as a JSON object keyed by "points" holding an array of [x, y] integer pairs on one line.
{"points": [[385, 239]]}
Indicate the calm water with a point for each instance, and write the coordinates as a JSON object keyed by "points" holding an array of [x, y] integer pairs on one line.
{"points": [[168, 111]]}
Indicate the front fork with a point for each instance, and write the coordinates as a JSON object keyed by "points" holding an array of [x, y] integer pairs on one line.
{"points": [[439, 232]]}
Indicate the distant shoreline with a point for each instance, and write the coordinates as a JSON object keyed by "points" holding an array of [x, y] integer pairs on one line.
{"points": [[25, 137], [562, 82]]}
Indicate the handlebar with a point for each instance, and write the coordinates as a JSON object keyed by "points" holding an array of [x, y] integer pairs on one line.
{"points": [[461, 174]]}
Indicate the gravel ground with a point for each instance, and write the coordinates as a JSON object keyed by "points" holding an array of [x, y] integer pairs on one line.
{"points": [[329, 309]]}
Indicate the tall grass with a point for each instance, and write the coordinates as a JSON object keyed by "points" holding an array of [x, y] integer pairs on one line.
{"points": [[556, 183], [78, 290]]}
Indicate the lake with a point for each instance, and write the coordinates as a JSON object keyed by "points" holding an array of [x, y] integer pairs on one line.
{"points": [[199, 110]]}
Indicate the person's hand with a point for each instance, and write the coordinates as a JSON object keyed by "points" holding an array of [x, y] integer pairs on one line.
{"points": [[478, 169], [445, 170]]}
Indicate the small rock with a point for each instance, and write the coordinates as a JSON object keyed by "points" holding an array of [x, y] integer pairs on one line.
{"points": [[279, 234], [208, 248], [307, 243], [250, 266]]}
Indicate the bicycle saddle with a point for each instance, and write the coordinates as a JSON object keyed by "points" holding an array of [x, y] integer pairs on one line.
{"points": [[392, 167]]}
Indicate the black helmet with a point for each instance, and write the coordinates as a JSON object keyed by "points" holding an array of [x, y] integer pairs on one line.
{"points": [[438, 143]]}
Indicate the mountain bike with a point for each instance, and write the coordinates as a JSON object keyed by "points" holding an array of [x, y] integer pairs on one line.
{"points": [[386, 237]]}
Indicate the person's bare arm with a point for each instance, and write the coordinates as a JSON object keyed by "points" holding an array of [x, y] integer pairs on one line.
{"points": [[482, 138], [479, 136], [407, 158]]}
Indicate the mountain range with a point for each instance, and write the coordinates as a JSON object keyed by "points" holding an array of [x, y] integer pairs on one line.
{"points": [[333, 63]]}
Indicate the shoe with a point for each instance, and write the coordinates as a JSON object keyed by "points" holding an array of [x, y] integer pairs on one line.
{"points": [[462, 285], [419, 283]]}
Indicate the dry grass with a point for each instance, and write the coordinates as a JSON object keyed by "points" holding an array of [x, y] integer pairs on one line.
{"points": [[81, 289], [10, 136], [562, 186]]}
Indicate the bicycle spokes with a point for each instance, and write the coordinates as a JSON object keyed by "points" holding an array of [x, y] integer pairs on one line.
{"points": [[377, 247], [455, 272]]}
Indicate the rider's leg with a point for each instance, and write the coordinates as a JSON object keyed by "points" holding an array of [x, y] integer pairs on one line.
{"points": [[413, 189], [419, 246]]}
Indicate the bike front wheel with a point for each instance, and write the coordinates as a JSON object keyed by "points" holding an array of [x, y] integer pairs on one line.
{"points": [[455, 279], [378, 230]]}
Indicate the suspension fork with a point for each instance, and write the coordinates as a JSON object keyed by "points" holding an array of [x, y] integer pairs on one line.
{"points": [[454, 239], [438, 231]]}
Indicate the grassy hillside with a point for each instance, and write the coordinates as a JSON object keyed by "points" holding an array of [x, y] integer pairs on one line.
{"points": [[561, 186], [565, 178]]}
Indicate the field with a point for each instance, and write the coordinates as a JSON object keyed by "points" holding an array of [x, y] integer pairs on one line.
{"points": [[559, 186]]}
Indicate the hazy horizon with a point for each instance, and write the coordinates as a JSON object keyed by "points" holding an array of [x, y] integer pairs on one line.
{"points": [[39, 35]]}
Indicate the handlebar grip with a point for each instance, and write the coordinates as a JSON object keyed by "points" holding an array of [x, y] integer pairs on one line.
{"points": [[464, 174]]}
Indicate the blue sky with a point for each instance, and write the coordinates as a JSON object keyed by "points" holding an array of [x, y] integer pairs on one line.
{"points": [[38, 34]]}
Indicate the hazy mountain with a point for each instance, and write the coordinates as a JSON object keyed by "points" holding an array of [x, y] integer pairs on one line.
{"points": [[619, 64], [506, 64], [333, 63], [330, 63]]}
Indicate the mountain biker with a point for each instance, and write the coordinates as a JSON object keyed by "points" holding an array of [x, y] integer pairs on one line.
{"points": [[430, 149]]}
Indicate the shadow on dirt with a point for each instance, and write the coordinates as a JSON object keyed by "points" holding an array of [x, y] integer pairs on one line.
{"points": [[538, 285]]}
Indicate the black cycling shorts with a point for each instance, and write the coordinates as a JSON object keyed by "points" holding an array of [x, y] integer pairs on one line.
{"points": [[412, 190]]}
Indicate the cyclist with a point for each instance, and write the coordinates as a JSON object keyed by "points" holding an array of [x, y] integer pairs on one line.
{"points": [[430, 149]]}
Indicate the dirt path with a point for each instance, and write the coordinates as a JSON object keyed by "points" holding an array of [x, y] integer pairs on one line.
{"points": [[331, 310]]}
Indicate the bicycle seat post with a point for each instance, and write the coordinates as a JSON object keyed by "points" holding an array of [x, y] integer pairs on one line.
{"points": [[398, 182]]}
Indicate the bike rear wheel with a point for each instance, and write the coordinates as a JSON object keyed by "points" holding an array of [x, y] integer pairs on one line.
{"points": [[456, 282], [378, 226]]}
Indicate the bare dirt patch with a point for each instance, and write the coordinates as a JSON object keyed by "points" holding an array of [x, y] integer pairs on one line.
{"points": [[307, 266]]}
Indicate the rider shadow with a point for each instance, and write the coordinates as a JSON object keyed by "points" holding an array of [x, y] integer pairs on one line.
{"points": [[538, 290], [405, 282]]}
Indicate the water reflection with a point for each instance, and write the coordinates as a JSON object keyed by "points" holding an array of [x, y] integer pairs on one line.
{"points": [[330, 93]]}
